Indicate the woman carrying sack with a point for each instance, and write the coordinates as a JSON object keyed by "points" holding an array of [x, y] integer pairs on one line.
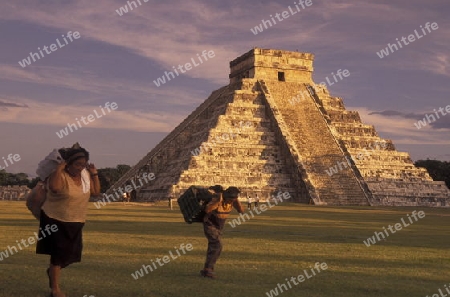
{"points": [[69, 188], [36, 198]]}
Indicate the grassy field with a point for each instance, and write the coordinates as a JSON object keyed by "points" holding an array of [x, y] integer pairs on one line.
{"points": [[258, 254]]}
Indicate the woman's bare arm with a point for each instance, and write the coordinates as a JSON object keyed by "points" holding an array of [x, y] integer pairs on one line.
{"points": [[56, 182], [95, 182]]}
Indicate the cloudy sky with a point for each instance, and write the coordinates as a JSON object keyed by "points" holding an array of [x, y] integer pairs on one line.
{"points": [[116, 58]]}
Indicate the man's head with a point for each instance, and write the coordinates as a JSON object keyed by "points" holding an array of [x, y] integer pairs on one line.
{"points": [[231, 193]]}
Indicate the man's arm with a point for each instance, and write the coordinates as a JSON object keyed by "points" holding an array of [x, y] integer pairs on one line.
{"points": [[238, 206], [213, 204]]}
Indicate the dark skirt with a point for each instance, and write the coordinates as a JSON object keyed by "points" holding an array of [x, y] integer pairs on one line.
{"points": [[65, 245]]}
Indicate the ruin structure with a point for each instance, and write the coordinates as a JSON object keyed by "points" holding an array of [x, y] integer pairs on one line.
{"points": [[13, 192], [273, 129]]}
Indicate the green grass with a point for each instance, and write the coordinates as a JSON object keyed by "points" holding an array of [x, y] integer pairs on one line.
{"points": [[259, 254]]}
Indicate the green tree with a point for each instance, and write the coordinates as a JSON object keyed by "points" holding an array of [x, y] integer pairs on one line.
{"points": [[11, 179], [3, 177], [438, 170], [108, 176], [21, 179], [33, 182]]}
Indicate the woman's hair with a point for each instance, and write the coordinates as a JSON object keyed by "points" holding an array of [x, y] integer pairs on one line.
{"points": [[74, 153]]}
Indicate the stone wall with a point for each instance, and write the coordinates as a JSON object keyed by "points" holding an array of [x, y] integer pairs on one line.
{"points": [[261, 63], [13, 192]]}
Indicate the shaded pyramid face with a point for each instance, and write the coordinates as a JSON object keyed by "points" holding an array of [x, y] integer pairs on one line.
{"points": [[272, 129]]}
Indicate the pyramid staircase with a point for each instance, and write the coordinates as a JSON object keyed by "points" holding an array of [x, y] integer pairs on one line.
{"points": [[390, 175]]}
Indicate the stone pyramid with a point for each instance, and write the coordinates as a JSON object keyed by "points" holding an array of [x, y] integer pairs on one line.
{"points": [[273, 129]]}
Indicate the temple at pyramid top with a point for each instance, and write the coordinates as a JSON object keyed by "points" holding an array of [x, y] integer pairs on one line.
{"points": [[272, 130], [272, 64]]}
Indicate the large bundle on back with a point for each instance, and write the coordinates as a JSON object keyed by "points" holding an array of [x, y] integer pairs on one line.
{"points": [[192, 203]]}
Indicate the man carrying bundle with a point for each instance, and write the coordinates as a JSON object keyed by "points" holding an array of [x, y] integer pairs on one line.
{"points": [[217, 211]]}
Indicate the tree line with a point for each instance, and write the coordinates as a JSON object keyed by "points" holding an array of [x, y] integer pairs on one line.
{"points": [[108, 176], [438, 170]]}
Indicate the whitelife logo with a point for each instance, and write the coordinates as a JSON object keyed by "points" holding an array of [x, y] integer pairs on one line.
{"points": [[53, 48], [128, 189], [166, 259], [243, 217], [360, 156], [411, 38], [11, 250], [225, 137], [380, 235], [431, 118], [188, 66], [306, 94], [124, 9], [281, 16], [11, 158], [90, 118], [319, 267], [441, 294]]}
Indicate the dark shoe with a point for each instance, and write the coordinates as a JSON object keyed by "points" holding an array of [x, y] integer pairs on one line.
{"points": [[207, 273]]}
